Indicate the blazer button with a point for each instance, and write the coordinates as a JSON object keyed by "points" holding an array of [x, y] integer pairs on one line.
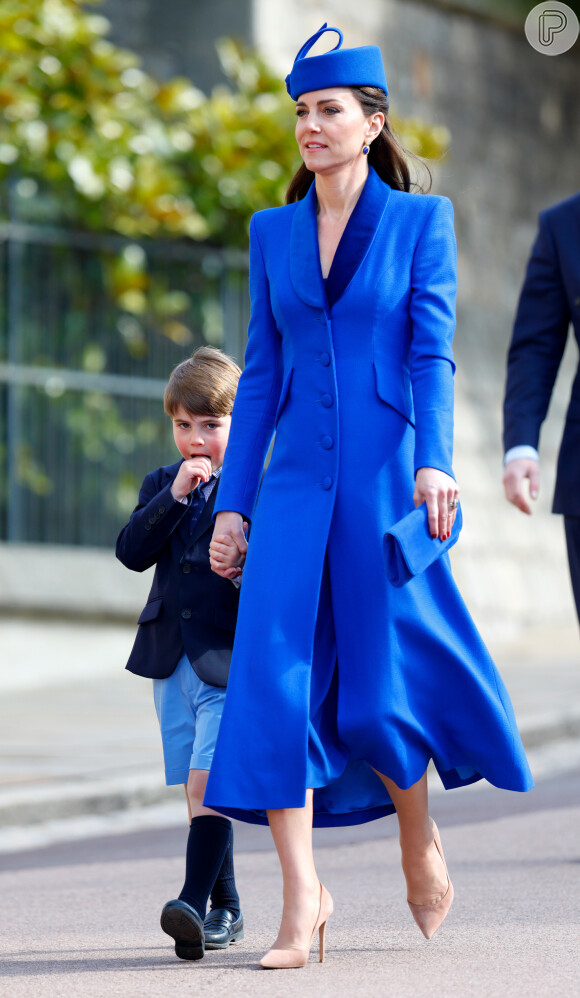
{"points": [[186, 614], [327, 483], [577, 300], [186, 568], [327, 401], [327, 443], [147, 526], [161, 510], [324, 359]]}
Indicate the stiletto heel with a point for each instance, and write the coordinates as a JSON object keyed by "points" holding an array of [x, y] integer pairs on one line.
{"points": [[289, 959], [321, 942], [429, 917]]}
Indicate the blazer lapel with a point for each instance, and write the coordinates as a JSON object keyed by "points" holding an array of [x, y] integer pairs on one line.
{"points": [[305, 272], [358, 236]]}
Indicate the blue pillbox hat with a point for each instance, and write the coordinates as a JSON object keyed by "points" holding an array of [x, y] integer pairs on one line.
{"points": [[360, 67]]}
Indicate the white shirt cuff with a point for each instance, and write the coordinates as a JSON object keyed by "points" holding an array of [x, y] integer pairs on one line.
{"points": [[523, 451]]}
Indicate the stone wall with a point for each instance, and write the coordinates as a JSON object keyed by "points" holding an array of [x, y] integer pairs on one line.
{"points": [[177, 37], [514, 118]]}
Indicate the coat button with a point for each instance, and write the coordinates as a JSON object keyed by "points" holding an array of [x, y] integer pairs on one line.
{"points": [[327, 443], [186, 568], [324, 359], [147, 526], [327, 401], [186, 614], [161, 510], [327, 483]]}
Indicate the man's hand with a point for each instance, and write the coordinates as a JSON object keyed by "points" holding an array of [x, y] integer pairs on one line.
{"points": [[190, 474], [515, 474], [227, 551], [439, 491]]}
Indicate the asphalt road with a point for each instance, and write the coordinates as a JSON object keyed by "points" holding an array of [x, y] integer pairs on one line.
{"points": [[81, 918]]}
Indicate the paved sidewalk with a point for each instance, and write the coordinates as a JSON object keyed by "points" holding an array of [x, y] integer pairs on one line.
{"points": [[87, 923], [79, 746]]}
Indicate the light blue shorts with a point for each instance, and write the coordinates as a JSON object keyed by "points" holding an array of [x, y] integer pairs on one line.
{"points": [[189, 713]]}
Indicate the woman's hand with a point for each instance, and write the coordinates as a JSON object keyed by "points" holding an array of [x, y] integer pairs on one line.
{"points": [[227, 551], [438, 491]]}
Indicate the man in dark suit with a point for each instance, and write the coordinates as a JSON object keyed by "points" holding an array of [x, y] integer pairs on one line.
{"points": [[185, 636], [549, 302]]}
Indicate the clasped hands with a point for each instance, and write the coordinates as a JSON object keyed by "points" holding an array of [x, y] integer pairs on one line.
{"points": [[228, 547], [227, 551]]}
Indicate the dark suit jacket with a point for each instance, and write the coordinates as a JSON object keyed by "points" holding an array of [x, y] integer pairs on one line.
{"points": [[549, 301], [189, 607]]}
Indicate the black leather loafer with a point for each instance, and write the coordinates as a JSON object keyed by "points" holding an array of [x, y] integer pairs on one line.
{"points": [[181, 921], [221, 928]]}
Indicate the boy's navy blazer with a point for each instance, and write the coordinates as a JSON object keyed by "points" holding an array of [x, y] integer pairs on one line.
{"points": [[549, 302], [189, 608]]}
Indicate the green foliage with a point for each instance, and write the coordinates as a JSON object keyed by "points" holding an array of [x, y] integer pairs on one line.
{"points": [[120, 151], [88, 139]]}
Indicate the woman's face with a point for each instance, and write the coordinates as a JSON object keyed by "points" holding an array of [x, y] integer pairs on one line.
{"points": [[331, 129]]}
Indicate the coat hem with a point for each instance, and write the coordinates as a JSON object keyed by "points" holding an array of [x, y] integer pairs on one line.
{"points": [[321, 819]]}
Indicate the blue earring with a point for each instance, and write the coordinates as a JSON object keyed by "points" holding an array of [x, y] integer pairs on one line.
{"points": [[365, 150]]}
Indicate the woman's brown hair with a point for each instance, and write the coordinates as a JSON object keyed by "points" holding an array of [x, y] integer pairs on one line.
{"points": [[386, 155]]}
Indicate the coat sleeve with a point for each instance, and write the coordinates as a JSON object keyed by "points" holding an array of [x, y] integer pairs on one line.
{"points": [[152, 522], [538, 342], [433, 290], [254, 414]]}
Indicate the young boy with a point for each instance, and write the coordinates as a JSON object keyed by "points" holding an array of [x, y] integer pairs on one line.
{"points": [[185, 637]]}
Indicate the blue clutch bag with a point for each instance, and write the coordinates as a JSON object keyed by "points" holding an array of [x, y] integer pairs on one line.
{"points": [[409, 549]]}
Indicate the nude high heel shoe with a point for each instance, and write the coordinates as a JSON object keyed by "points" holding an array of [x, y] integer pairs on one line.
{"points": [[289, 959], [430, 916]]}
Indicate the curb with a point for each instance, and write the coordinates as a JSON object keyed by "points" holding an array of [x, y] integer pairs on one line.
{"points": [[35, 804]]}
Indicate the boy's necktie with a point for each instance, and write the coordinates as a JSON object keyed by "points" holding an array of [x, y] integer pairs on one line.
{"points": [[195, 508], [198, 501]]}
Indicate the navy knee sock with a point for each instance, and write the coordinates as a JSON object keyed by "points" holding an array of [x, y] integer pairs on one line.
{"points": [[224, 893], [207, 845]]}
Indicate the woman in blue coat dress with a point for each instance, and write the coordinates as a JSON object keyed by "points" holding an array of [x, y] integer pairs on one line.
{"points": [[344, 683]]}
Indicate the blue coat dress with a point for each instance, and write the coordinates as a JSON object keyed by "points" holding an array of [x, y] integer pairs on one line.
{"points": [[335, 670]]}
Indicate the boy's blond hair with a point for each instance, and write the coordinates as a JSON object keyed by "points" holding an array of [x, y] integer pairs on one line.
{"points": [[204, 385]]}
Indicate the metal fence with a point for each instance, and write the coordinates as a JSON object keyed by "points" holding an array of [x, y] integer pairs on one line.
{"points": [[90, 327]]}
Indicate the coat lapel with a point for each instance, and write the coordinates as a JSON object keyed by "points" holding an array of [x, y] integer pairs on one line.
{"points": [[358, 236], [305, 272]]}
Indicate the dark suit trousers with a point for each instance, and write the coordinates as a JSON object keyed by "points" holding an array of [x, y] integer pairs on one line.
{"points": [[572, 528]]}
